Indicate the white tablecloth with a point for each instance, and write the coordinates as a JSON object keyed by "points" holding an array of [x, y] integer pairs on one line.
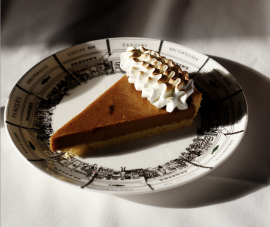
{"points": [[234, 33]]}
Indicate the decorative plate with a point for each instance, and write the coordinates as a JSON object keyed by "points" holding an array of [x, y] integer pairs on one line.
{"points": [[62, 85]]}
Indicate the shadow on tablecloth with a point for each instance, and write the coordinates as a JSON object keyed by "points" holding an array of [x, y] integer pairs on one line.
{"points": [[246, 170], [2, 116], [72, 22]]}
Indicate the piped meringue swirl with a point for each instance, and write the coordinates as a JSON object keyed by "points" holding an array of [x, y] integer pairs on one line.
{"points": [[161, 81]]}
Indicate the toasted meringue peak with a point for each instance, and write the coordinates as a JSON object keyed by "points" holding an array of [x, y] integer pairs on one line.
{"points": [[161, 81]]}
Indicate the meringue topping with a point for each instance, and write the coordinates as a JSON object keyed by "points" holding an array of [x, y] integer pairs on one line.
{"points": [[161, 81]]}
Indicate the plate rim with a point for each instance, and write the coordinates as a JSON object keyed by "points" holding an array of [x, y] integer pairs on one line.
{"points": [[130, 192]]}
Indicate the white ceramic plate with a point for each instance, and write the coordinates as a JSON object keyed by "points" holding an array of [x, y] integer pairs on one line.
{"points": [[61, 86]]}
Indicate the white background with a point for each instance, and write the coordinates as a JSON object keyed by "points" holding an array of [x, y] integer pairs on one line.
{"points": [[234, 33]]}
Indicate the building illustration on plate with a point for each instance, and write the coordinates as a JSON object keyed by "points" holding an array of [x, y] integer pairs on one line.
{"points": [[84, 72], [73, 167]]}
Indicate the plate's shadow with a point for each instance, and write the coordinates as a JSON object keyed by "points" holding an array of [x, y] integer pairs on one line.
{"points": [[247, 170]]}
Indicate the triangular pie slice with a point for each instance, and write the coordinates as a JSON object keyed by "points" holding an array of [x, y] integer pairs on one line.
{"points": [[118, 115]]}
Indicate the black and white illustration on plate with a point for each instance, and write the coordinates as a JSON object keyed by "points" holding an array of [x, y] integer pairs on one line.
{"points": [[213, 114]]}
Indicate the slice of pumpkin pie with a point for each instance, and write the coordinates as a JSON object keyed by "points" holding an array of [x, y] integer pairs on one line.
{"points": [[163, 99]]}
